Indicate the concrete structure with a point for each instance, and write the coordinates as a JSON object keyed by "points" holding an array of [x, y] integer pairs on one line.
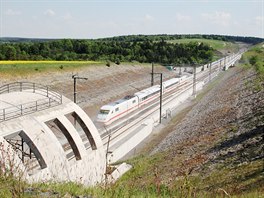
{"points": [[46, 137], [231, 60]]}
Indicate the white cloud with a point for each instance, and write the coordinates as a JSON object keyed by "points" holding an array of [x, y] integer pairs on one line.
{"points": [[49, 12], [259, 20], [67, 17], [11, 12], [219, 18], [183, 18], [148, 17]]}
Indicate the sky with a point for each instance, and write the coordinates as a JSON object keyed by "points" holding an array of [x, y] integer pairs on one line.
{"points": [[89, 19]]}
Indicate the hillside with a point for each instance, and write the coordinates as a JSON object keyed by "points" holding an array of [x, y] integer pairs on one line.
{"points": [[216, 146], [212, 148], [220, 139], [163, 49]]}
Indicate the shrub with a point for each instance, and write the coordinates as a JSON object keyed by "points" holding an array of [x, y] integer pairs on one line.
{"points": [[117, 61], [108, 64]]}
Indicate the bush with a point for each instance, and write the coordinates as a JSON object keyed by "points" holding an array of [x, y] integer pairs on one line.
{"points": [[117, 61], [108, 64]]}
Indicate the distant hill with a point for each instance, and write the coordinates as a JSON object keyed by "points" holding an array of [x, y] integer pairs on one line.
{"points": [[141, 37], [21, 40], [161, 48], [165, 37]]}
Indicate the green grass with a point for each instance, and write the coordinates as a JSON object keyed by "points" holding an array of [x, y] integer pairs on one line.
{"points": [[21, 68], [143, 180], [215, 44], [254, 57]]}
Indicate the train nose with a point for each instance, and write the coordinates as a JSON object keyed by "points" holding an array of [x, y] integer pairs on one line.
{"points": [[101, 118]]}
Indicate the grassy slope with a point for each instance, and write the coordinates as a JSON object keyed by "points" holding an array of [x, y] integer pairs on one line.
{"points": [[221, 48], [240, 179], [256, 51], [22, 68], [216, 44]]}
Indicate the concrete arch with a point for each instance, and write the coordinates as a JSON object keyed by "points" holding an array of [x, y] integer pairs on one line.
{"points": [[78, 156]]}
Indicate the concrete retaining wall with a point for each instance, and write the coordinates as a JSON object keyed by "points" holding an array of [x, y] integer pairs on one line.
{"points": [[134, 137]]}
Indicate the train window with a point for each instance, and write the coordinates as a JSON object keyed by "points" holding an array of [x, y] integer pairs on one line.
{"points": [[104, 111], [134, 101], [117, 109]]}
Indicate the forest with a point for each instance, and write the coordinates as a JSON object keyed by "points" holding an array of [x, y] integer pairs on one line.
{"points": [[141, 48]]}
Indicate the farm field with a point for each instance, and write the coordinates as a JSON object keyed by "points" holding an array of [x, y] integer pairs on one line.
{"points": [[22, 67]]}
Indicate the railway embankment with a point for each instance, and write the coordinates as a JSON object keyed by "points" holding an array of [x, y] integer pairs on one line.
{"points": [[221, 138], [213, 148]]}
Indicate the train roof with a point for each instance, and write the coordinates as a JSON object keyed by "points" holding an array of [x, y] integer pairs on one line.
{"points": [[170, 82], [148, 91], [117, 102]]}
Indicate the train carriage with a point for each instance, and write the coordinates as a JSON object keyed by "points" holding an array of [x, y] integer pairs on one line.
{"points": [[147, 95], [113, 111]]}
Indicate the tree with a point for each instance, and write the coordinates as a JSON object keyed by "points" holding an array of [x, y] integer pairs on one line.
{"points": [[10, 53]]}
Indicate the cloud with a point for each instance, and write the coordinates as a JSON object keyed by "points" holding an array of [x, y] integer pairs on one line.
{"points": [[182, 18], [50, 13], [67, 17], [219, 18], [148, 17], [259, 20], [11, 12]]}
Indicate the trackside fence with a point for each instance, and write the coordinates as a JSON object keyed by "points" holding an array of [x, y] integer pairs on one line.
{"points": [[51, 99]]}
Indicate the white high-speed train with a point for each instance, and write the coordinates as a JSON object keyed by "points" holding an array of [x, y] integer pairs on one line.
{"points": [[115, 110]]}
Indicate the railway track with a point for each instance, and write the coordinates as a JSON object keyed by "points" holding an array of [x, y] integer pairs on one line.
{"points": [[120, 127]]}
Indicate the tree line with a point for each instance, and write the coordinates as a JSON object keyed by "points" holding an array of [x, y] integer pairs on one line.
{"points": [[141, 48], [158, 37], [125, 51]]}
